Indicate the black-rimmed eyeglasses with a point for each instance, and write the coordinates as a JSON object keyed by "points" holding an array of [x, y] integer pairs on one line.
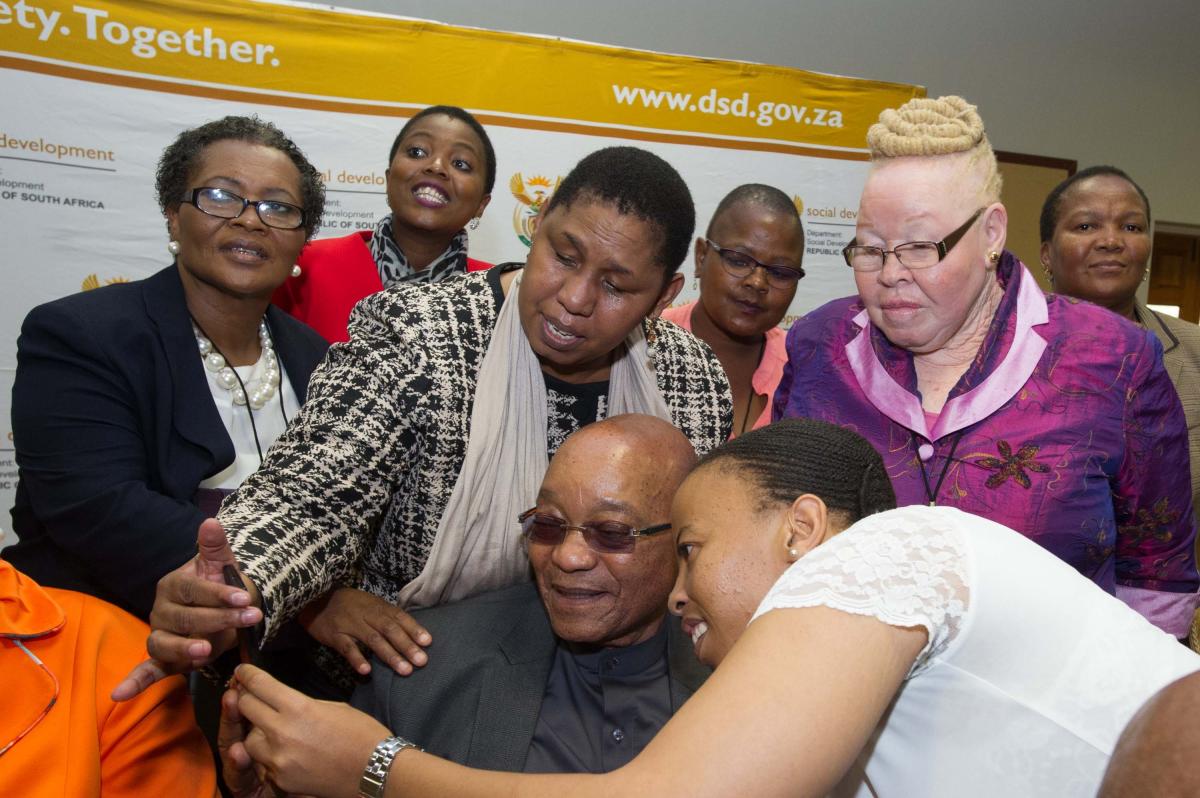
{"points": [[911, 254], [225, 204], [739, 264], [605, 537]]}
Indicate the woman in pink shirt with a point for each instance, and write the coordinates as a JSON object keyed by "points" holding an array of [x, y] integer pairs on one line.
{"points": [[748, 264]]}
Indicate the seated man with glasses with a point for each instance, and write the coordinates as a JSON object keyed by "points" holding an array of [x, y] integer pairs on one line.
{"points": [[578, 671], [747, 266], [1044, 414]]}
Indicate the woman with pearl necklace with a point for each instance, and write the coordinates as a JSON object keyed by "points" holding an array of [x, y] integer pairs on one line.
{"points": [[137, 407]]}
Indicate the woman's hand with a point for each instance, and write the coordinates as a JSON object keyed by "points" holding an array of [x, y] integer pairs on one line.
{"points": [[347, 617], [297, 743], [195, 614], [237, 768]]}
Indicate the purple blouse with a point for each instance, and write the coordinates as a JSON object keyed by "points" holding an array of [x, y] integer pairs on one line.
{"points": [[1065, 427]]}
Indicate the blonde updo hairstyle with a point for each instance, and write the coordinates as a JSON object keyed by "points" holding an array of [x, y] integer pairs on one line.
{"points": [[947, 126]]}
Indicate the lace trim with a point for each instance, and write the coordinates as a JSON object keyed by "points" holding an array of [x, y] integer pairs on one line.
{"points": [[905, 567]]}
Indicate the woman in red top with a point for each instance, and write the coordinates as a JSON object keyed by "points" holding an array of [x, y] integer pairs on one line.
{"points": [[440, 174]]}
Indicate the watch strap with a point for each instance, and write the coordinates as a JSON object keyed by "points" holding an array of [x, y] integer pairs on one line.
{"points": [[376, 772]]}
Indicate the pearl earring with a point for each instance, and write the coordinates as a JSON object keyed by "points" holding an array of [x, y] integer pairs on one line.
{"points": [[296, 270], [474, 223], [794, 554], [651, 337], [173, 247]]}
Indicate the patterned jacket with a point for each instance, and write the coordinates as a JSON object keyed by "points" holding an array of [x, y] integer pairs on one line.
{"points": [[1181, 356], [352, 493], [1065, 428]]}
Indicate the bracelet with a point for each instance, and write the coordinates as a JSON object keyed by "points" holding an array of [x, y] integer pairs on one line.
{"points": [[376, 772]]}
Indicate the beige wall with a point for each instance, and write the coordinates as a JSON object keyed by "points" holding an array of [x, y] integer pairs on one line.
{"points": [[1025, 189]]}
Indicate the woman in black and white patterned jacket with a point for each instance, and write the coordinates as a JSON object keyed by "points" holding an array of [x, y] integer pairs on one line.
{"points": [[429, 431]]}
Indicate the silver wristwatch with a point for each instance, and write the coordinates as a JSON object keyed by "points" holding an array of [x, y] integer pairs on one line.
{"points": [[375, 774]]}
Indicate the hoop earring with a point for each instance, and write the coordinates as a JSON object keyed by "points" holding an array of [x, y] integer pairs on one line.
{"points": [[173, 247]]}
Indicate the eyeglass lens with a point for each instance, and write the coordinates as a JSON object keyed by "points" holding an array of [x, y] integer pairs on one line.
{"points": [[227, 205], [916, 254], [603, 536], [740, 264], [913, 254]]}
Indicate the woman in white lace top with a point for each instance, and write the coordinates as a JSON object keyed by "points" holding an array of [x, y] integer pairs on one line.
{"points": [[863, 650]]}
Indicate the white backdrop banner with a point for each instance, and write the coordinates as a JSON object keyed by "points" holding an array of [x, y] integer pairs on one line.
{"points": [[93, 91]]}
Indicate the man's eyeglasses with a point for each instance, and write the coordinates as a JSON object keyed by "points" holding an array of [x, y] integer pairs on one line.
{"points": [[739, 264], [227, 205], [605, 537], [912, 254]]}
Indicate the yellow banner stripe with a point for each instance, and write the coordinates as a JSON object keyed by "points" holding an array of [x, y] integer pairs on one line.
{"points": [[367, 64]]}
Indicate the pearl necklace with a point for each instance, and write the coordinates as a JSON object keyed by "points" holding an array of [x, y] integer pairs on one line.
{"points": [[256, 391]]}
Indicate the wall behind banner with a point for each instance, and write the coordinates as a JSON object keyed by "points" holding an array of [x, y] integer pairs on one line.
{"points": [[105, 85], [1097, 82]]}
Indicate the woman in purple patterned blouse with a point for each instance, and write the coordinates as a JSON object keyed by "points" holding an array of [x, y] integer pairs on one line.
{"points": [[1045, 414]]}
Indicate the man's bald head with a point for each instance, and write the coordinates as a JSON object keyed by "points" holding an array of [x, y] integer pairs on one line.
{"points": [[1158, 752], [626, 470], [648, 448]]}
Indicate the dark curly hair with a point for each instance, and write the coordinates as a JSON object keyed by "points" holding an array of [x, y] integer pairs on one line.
{"points": [[1053, 204], [802, 455], [454, 112], [638, 183], [180, 159]]}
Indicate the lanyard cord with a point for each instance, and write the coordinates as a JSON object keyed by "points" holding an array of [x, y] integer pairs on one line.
{"points": [[932, 494], [750, 399], [242, 385], [44, 712]]}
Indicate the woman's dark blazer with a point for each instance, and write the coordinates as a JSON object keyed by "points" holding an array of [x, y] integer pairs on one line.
{"points": [[114, 428]]}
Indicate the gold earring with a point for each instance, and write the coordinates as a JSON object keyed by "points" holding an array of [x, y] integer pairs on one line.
{"points": [[994, 256]]}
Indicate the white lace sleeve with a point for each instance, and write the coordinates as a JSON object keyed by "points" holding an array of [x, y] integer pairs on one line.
{"points": [[905, 567]]}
